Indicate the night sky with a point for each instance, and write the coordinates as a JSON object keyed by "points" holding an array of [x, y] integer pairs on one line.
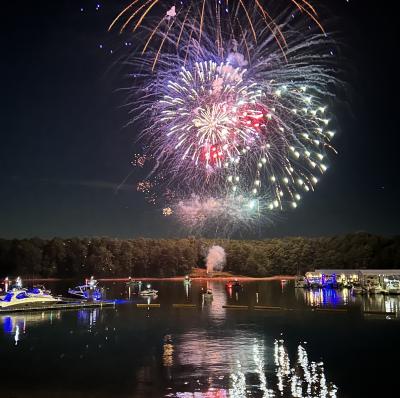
{"points": [[65, 148]]}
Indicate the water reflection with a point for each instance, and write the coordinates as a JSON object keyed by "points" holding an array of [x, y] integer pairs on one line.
{"points": [[186, 287], [243, 367], [379, 303], [216, 312], [324, 297], [88, 317], [344, 297], [302, 377], [18, 325], [203, 352]]}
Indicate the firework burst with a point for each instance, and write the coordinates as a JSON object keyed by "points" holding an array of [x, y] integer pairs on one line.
{"points": [[210, 112], [234, 124], [171, 22]]}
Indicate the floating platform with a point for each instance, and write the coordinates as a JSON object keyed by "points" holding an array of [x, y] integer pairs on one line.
{"points": [[331, 310], [388, 313], [59, 306], [184, 305], [143, 305], [236, 307], [268, 308]]}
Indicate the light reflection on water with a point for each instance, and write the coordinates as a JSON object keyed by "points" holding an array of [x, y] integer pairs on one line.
{"points": [[209, 351], [214, 309], [17, 325], [324, 297], [247, 369], [380, 303]]}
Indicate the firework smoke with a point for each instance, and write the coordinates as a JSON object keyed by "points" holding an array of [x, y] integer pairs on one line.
{"points": [[216, 259]]}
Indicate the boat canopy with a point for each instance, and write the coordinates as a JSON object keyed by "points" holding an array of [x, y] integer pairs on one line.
{"points": [[338, 271], [379, 272], [363, 272]]}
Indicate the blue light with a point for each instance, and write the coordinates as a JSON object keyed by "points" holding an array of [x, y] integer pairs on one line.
{"points": [[7, 324]]}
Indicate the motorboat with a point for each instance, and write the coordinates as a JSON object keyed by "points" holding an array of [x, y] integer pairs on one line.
{"points": [[234, 285], [86, 292], [208, 295], [329, 281], [187, 281], [376, 288], [393, 287], [21, 298], [314, 280], [148, 292], [346, 284], [133, 283], [300, 282], [358, 289]]}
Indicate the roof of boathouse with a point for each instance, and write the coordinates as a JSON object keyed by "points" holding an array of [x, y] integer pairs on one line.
{"points": [[337, 271], [359, 271]]}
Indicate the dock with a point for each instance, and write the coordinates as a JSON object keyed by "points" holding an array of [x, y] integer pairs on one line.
{"points": [[184, 305], [268, 308], [59, 306], [236, 307], [140, 305]]}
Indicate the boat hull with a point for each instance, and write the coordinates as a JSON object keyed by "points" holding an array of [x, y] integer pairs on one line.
{"points": [[37, 302]]}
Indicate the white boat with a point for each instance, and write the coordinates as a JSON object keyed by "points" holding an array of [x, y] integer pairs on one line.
{"points": [[358, 289], [300, 282], [347, 285], [149, 292], [21, 298], [86, 292], [133, 283], [393, 287], [376, 289], [314, 280]]}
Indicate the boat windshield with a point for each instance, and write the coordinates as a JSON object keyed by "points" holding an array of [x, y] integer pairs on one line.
{"points": [[8, 297], [21, 296]]}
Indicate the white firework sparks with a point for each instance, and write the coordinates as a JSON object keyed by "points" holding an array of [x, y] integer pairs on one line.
{"points": [[232, 119]]}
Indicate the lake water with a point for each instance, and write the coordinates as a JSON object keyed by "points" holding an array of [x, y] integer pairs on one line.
{"points": [[207, 351]]}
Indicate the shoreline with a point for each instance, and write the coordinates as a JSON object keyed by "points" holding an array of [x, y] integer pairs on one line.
{"points": [[177, 278]]}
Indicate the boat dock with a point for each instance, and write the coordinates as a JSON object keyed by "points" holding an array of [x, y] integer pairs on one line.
{"points": [[361, 281], [59, 306]]}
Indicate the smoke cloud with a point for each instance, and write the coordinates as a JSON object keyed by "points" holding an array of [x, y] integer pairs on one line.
{"points": [[216, 259]]}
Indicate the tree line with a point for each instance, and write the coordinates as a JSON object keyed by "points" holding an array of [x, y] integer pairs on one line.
{"points": [[107, 257]]}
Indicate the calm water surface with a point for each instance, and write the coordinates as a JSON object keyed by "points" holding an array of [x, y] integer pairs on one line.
{"points": [[208, 351]]}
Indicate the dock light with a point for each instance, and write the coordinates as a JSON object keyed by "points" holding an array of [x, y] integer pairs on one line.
{"points": [[148, 286]]}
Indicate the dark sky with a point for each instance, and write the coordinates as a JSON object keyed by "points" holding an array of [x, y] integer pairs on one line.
{"points": [[64, 147]]}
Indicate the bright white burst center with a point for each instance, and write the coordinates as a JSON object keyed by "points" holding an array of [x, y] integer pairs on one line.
{"points": [[212, 123]]}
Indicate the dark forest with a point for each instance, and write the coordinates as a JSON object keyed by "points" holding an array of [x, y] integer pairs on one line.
{"points": [[107, 257]]}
